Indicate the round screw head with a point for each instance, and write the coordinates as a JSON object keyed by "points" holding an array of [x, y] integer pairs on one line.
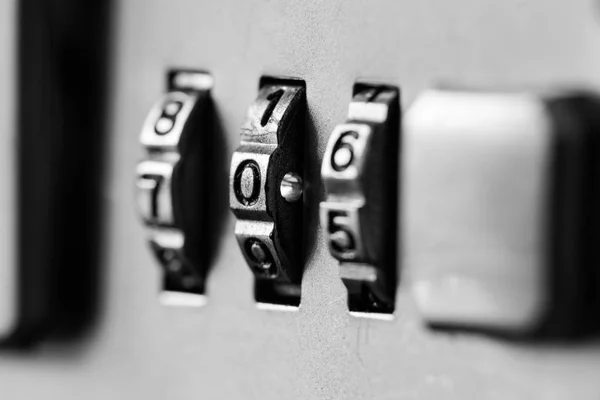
{"points": [[291, 187]]}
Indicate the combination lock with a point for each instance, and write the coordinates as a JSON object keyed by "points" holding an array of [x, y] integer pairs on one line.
{"points": [[170, 199], [359, 216], [265, 190]]}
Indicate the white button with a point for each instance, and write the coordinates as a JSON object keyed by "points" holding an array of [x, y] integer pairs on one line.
{"points": [[476, 170]]}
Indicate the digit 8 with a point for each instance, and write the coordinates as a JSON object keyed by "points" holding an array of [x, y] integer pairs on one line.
{"points": [[167, 118]]}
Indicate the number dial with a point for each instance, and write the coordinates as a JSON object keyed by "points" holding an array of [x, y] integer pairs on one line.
{"points": [[359, 173], [272, 144], [172, 183], [346, 190]]}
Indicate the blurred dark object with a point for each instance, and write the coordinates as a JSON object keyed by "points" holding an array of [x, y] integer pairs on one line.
{"points": [[62, 76]]}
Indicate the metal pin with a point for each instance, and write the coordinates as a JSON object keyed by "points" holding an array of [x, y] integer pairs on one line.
{"points": [[291, 187]]}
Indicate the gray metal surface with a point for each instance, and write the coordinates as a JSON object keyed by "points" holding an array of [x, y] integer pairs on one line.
{"points": [[231, 350]]}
